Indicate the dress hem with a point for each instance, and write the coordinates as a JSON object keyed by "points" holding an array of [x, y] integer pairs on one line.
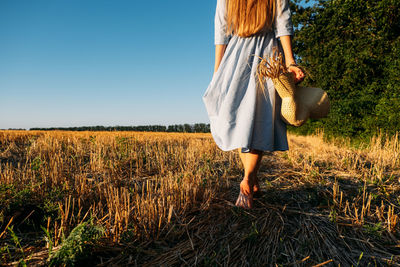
{"points": [[263, 150]]}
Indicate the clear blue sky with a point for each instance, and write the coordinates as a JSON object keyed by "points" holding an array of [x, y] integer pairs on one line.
{"points": [[104, 62]]}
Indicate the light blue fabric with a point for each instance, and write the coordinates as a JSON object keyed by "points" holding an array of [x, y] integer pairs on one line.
{"points": [[240, 114]]}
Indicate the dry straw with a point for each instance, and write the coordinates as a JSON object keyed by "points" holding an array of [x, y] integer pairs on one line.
{"points": [[167, 199], [298, 103]]}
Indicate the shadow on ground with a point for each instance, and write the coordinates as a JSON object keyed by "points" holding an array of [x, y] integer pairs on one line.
{"points": [[294, 223]]}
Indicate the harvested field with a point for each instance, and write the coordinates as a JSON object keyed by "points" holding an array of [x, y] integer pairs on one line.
{"points": [[167, 199]]}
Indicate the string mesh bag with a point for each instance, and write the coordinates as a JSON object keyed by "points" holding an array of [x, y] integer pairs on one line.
{"points": [[298, 103]]}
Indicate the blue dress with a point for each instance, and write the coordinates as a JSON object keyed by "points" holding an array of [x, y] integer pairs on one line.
{"points": [[241, 115]]}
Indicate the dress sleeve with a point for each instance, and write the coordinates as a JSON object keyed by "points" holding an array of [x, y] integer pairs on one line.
{"points": [[283, 19], [220, 23]]}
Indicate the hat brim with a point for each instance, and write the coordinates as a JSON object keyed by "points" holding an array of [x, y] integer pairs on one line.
{"points": [[315, 99]]}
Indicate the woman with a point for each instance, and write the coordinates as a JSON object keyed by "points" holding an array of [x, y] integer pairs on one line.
{"points": [[241, 116]]}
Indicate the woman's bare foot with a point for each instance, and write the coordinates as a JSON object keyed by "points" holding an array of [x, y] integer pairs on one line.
{"points": [[245, 198]]}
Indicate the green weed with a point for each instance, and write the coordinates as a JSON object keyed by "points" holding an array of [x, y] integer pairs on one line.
{"points": [[77, 246]]}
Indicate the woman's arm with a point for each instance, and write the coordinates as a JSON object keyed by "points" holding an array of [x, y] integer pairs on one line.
{"points": [[284, 31], [219, 53], [220, 39], [286, 42]]}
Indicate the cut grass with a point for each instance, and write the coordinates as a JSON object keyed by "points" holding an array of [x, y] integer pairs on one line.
{"points": [[167, 199]]}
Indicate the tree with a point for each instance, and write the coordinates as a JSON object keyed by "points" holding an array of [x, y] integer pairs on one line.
{"points": [[187, 128], [352, 50]]}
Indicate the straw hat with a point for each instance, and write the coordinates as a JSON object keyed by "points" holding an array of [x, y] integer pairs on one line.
{"points": [[298, 103]]}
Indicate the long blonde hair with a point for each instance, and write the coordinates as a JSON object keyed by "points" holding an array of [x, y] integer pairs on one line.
{"points": [[248, 17]]}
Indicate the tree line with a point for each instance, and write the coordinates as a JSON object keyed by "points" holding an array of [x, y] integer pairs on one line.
{"points": [[182, 128]]}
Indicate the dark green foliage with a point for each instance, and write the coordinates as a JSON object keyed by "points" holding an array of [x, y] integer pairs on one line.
{"points": [[77, 246], [352, 50], [27, 209]]}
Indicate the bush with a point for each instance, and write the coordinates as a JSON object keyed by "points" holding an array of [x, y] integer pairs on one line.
{"points": [[77, 246]]}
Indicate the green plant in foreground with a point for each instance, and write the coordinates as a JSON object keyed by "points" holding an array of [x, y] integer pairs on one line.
{"points": [[76, 247], [48, 239], [18, 244]]}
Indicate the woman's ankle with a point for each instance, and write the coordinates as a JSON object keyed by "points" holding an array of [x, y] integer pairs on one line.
{"points": [[248, 181], [251, 178]]}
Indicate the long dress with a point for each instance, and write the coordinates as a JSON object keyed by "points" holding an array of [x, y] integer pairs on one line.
{"points": [[241, 114]]}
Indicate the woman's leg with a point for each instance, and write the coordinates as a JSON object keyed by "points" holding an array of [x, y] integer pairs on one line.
{"points": [[251, 162], [242, 156]]}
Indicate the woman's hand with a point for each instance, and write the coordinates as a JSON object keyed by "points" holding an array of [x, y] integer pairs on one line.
{"points": [[286, 41], [298, 73]]}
